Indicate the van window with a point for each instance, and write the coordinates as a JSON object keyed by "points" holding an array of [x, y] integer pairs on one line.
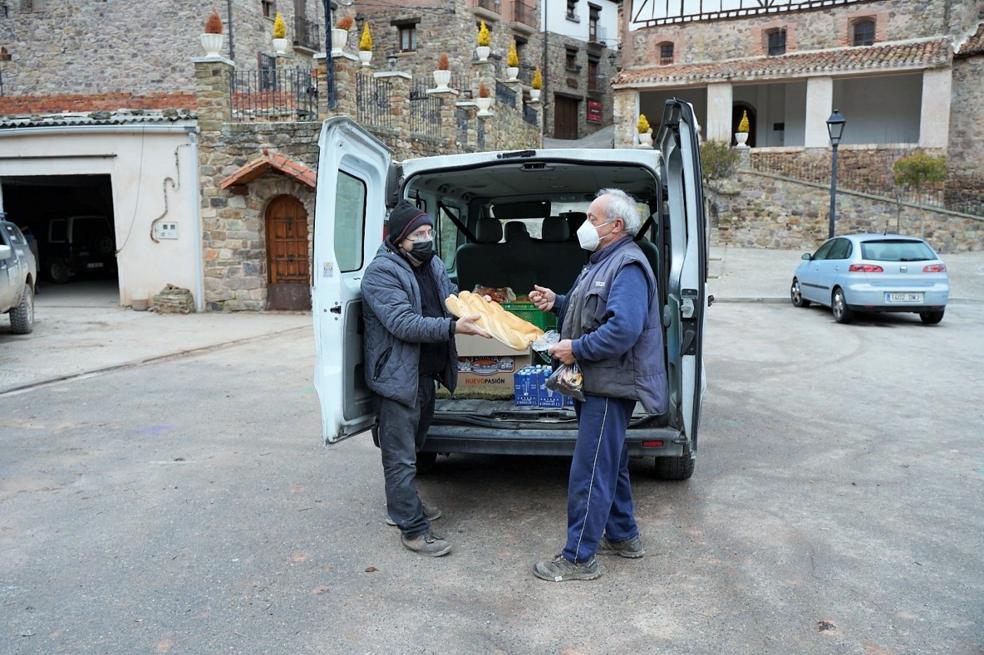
{"points": [[447, 236], [350, 221]]}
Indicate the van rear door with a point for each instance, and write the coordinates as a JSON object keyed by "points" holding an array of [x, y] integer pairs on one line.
{"points": [[348, 229], [679, 142]]}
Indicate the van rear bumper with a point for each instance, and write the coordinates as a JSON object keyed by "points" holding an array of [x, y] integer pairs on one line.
{"points": [[492, 441]]}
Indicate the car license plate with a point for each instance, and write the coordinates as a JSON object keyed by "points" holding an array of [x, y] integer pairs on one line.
{"points": [[915, 298], [94, 265]]}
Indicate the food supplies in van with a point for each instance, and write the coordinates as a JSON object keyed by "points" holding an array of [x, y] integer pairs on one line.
{"points": [[530, 388], [498, 294], [504, 327]]}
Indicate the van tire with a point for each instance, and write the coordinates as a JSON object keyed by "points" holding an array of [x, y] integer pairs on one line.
{"points": [[22, 316], [58, 271], [674, 468], [426, 462]]}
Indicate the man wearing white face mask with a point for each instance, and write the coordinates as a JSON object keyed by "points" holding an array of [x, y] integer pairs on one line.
{"points": [[611, 327], [408, 347]]}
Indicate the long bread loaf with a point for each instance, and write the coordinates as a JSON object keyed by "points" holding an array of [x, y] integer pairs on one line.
{"points": [[504, 327]]}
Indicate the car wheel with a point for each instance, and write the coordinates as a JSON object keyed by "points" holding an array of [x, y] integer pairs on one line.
{"points": [[58, 271], [674, 468], [22, 316], [931, 318], [839, 306], [426, 462], [796, 295]]}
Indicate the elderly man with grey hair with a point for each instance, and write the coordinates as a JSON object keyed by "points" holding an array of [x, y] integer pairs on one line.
{"points": [[611, 327]]}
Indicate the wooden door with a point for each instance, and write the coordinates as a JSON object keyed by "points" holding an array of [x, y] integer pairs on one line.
{"points": [[288, 269], [565, 117]]}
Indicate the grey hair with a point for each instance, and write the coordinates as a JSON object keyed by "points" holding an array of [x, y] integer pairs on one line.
{"points": [[622, 205]]}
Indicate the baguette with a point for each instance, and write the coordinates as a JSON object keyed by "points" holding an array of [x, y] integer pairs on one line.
{"points": [[501, 325]]}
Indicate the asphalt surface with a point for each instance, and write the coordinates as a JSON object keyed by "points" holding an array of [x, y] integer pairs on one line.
{"points": [[187, 506]]}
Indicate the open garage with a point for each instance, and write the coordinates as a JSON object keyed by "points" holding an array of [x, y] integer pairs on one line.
{"points": [[111, 201]]}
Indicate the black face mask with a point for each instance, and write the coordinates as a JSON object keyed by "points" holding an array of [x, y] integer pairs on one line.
{"points": [[422, 251]]}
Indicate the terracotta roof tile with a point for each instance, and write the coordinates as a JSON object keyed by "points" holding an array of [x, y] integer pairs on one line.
{"points": [[888, 56], [266, 163], [974, 45]]}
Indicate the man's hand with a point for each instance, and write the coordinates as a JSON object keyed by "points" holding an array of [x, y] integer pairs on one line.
{"points": [[564, 351], [543, 298], [469, 325]]}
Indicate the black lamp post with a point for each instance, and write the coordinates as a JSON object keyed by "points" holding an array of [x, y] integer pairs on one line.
{"points": [[835, 129], [329, 64]]}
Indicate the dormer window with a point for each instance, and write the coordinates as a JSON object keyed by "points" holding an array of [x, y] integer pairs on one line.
{"points": [[863, 31], [776, 41]]}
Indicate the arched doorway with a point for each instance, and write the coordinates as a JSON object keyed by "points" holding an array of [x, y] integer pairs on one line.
{"points": [[736, 112], [288, 269]]}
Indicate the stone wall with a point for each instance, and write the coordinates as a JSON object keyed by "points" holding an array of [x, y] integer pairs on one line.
{"points": [[760, 211], [965, 188], [714, 40], [73, 51]]}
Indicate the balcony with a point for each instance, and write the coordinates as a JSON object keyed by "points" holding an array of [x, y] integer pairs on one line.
{"points": [[524, 13], [597, 35], [307, 34]]}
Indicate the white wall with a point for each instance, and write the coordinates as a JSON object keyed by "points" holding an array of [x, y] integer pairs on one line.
{"points": [[880, 109], [776, 103], [554, 12], [138, 165]]}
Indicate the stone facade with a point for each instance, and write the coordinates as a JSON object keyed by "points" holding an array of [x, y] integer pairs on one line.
{"points": [[758, 210], [108, 55], [966, 149]]}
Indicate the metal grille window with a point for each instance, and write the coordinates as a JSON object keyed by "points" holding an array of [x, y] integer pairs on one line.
{"points": [[777, 42], [408, 38], [665, 54], [864, 32]]}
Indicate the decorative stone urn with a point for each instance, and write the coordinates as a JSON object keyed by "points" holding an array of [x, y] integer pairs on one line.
{"points": [[441, 79], [484, 106], [280, 46], [212, 44], [365, 56], [741, 138], [535, 95], [512, 72], [483, 52], [339, 39], [645, 139]]}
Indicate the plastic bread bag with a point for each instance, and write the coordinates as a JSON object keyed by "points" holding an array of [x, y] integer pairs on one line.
{"points": [[568, 380], [548, 339]]}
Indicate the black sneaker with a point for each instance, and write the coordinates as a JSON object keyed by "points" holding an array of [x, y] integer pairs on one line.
{"points": [[559, 569], [431, 513], [426, 544], [630, 548]]}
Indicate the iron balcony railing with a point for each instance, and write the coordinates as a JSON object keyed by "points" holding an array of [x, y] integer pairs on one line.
{"points": [[372, 101], [274, 94], [425, 110], [307, 34]]}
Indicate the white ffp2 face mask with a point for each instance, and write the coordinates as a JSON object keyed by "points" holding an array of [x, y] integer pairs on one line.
{"points": [[588, 237]]}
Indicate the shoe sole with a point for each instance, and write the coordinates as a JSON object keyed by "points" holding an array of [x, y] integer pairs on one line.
{"points": [[391, 523], [439, 553], [560, 578], [626, 555]]}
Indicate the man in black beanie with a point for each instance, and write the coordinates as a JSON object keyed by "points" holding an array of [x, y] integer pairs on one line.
{"points": [[409, 346]]}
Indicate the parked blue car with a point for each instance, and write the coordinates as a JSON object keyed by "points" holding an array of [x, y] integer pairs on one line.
{"points": [[873, 273]]}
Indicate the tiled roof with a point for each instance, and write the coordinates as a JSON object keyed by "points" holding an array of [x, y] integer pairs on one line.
{"points": [[889, 56], [974, 45], [121, 117], [266, 163]]}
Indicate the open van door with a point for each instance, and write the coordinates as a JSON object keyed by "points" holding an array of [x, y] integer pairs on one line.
{"points": [[679, 142], [350, 210]]}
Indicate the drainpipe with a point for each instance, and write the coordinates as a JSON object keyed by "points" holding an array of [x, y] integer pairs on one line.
{"points": [[232, 47]]}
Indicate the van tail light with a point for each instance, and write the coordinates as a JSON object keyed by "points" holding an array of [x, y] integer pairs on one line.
{"points": [[656, 443], [935, 268], [865, 268]]}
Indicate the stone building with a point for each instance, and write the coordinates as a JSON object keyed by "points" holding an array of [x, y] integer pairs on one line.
{"points": [[202, 169], [906, 74]]}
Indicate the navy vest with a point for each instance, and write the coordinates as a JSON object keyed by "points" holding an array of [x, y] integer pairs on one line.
{"points": [[639, 374]]}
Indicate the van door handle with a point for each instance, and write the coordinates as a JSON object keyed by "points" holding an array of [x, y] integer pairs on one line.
{"points": [[336, 309]]}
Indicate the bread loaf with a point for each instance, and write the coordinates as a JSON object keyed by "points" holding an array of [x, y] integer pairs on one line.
{"points": [[504, 327]]}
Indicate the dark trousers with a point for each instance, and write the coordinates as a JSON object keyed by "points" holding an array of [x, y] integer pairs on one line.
{"points": [[402, 431], [599, 494]]}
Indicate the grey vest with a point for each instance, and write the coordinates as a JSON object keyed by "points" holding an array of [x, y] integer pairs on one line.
{"points": [[639, 374]]}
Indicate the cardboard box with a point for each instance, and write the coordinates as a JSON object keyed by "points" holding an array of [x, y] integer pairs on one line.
{"points": [[486, 368]]}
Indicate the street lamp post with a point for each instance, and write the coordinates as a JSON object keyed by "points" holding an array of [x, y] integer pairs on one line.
{"points": [[835, 129], [329, 64]]}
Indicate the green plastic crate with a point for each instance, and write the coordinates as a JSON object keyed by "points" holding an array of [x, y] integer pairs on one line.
{"points": [[528, 312]]}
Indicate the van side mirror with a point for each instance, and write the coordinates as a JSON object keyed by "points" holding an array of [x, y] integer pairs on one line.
{"points": [[5, 252], [807, 256]]}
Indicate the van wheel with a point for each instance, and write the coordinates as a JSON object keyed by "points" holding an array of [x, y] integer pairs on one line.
{"points": [[839, 307], [931, 318], [426, 462], [58, 271], [796, 295], [674, 468], [22, 316]]}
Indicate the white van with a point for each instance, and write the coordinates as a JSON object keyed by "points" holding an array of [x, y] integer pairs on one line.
{"points": [[545, 193]]}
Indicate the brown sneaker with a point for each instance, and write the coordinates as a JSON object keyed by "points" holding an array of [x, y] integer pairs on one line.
{"points": [[559, 569], [426, 544], [431, 513]]}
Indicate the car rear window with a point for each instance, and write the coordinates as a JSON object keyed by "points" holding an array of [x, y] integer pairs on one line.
{"points": [[896, 250]]}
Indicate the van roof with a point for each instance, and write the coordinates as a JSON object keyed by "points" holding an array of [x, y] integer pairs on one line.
{"points": [[641, 157]]}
